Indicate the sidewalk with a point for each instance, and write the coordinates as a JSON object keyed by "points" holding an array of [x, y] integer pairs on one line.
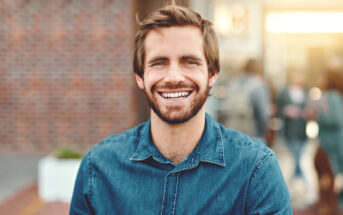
{"points": [[16, 172], [18, 188], [27, 202]]}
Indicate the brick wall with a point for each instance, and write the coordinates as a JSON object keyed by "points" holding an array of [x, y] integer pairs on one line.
{"points": [[65, 73]]}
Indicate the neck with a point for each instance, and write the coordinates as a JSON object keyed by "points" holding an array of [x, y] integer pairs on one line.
{"points": [[177, 141]]}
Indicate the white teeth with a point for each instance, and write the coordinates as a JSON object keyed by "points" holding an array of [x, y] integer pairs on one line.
{"points": [[177, 95]]}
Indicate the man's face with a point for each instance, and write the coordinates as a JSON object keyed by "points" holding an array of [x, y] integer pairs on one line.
{"points": [[176, 81]]}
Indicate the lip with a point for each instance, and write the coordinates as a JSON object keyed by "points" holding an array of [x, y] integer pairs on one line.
{"points": [[174, 90]]}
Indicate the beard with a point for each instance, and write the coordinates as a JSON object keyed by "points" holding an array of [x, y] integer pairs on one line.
{"points": [[183, 114]]}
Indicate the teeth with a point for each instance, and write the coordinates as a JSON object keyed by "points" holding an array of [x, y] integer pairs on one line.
{"points": [[178, 95]]}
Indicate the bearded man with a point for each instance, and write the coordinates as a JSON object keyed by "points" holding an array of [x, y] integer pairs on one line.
{"points": [[181, 161]]}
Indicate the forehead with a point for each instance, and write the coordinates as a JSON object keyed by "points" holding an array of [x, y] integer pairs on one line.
{"points": [[174, 40]]}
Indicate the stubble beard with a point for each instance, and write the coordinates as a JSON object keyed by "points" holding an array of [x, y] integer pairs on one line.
{"points": [[181, 115]]}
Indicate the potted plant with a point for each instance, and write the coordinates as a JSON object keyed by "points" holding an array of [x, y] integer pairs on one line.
{"points": [[57, 174]]}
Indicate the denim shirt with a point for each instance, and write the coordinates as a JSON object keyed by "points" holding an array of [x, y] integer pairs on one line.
{"points": [[227, 173]]}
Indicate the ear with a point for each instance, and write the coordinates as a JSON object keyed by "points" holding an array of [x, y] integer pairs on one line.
{"points": [[140, 82], [212, 79]]}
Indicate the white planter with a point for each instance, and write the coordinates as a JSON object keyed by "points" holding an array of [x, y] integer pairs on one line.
{"points": [[56, 178]]}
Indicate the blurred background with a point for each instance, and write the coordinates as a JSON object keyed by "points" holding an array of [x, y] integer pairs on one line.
{"points": [[66, 82]]}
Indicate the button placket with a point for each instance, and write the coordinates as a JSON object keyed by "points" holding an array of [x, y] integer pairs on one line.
{"points": [[170, 193]]}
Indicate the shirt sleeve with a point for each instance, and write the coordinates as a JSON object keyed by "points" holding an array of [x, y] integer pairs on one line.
{"points": [[81, 200], [268, 192]]}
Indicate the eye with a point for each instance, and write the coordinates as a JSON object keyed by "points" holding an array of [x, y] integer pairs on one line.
{"points": [[159, 63], [191, 62]]}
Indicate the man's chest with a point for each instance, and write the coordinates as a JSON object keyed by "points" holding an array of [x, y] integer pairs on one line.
{"points": [[202, 190]]}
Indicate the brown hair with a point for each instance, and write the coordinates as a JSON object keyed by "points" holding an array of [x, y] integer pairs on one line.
{"points": [[334, 81], [253, 66], [174, 15]]}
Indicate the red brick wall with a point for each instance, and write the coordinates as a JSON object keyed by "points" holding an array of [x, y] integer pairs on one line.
{"points": [[65, 73]]}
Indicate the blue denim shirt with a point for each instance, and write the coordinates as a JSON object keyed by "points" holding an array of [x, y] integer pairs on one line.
{"points": [[227, 173]]}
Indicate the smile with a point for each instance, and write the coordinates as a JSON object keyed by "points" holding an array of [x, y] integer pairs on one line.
{"points": [[175, 95]]}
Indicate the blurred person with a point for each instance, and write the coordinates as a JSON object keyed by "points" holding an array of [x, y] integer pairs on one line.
{"points": [[181, 161], [335, 68], [330, 119], [246, 107], [291, 103], [329, 157]]}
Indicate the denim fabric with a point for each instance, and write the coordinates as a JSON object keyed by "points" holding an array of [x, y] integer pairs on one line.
{"points": [[227, 173]]}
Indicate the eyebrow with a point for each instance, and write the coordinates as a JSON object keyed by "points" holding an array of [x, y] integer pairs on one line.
{"points": [[186, 57], [192, 57], [157, 59]]}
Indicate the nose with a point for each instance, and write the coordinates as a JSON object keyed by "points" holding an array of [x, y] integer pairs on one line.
{"points": [[174, 75]]}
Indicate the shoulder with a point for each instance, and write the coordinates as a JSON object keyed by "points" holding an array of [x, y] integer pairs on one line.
{"points": [[239, 144], [283, 92], [254, 79], [335, 94], [117, 145], [335, 99], [250, 157], [283, 95]]}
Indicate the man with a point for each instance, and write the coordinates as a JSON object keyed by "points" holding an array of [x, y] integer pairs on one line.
{"points": [[292, 101], [181, 161], [246, 108]]}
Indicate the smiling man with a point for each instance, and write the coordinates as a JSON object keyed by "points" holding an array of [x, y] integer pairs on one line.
{"points": [[181, 161]]}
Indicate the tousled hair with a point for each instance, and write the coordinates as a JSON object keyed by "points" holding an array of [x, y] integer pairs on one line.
{"points": [[174, 15]]}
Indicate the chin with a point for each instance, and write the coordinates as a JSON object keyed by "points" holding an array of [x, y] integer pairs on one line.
{"points": [[175, 120], [177, 117]]}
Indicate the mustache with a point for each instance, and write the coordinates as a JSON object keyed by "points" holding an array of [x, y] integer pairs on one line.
{"points": [[170, 86]]}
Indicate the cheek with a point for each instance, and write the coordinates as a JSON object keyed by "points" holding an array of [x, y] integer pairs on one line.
{"points": [[150, 81], [199, 77]]}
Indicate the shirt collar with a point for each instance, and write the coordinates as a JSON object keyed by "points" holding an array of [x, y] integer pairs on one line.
{"points": [[210, 148], [211, 143], [145, 147]]}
